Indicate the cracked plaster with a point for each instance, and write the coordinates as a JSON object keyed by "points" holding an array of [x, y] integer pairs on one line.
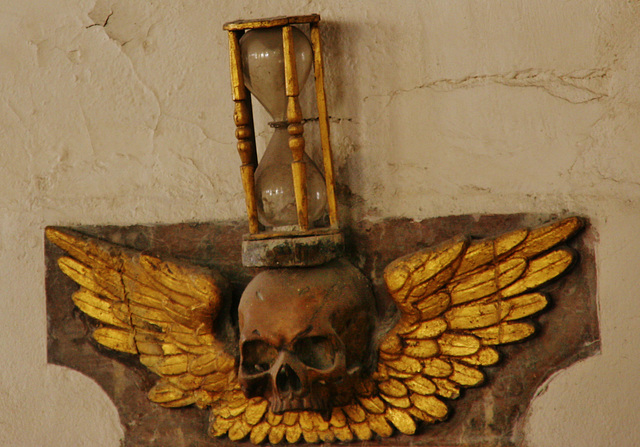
{"points": [[115, 111], [576, 88]]}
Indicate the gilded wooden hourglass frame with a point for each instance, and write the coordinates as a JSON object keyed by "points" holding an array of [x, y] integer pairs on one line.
{"points": [[259, 241]]}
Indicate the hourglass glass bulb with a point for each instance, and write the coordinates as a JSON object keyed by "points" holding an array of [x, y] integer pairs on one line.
{"points": [[274, 183], [263, 68]]}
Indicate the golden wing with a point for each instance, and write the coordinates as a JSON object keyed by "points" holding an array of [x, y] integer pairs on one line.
{"points": [[162, 311], [456, 302]]}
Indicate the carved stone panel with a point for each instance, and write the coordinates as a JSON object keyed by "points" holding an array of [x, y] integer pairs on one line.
{"points": [[492, 414]]}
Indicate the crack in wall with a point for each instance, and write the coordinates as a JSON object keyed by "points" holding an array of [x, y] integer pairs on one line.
{"points": [[103, 24], [576, 87], [609, 178], [206, 133]]}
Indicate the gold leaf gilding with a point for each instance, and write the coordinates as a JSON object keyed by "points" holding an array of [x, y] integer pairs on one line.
{"points": [[476, 315], [255, 410], [372, 404], [379, 424], [540, 271], [405, 364], [446, 388], [398, 402], [117, 339], [485, 356], [458, 345], [421, 385], [355, 412], [276, 434], [525, 305], [401, 420], [327, 435], [338, 418], [504, 333], [310, 436], [293, 433], [393, 388], [428, 329], [343, 433], [436, 367], [421, 349], [430, 405], [362, 431], [260, 432], [220, 426], [466, 375], [290, 418], [239, 430]]}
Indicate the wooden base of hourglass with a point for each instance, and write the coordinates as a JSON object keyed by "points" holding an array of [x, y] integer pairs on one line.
{"points": [[291, 248]]}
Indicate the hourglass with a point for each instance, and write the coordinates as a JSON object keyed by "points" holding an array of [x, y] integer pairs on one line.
{"points": [[264, 75], [287, 195]]}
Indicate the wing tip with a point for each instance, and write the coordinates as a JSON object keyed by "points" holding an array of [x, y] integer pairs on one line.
{"points": [[566, 227], [574, 224], [56, 235], [116, 339]]}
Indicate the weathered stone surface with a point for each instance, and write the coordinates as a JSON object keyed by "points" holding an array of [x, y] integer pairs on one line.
{"points": [[568, 331]]}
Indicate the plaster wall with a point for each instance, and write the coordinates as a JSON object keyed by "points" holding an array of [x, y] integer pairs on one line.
{"points": [[119, 111]]}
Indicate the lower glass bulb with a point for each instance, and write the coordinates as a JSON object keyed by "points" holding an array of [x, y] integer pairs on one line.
{"points": [[274, 185]]}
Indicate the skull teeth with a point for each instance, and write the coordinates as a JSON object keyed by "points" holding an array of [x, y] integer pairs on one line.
{"points": [[281, 404]]}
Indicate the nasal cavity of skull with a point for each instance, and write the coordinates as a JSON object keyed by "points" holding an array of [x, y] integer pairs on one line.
{"points": [[257, 356], [287, 380], [315, 352]]}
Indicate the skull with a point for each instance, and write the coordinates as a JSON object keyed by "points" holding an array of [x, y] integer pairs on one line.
{"points": [[306, 336]]}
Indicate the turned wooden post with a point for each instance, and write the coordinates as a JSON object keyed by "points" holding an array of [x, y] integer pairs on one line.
{"points": [[323, 121], [295, 128], [243, 118]]}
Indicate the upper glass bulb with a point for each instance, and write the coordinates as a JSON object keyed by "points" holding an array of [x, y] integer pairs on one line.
{"points": [[263, 66]]}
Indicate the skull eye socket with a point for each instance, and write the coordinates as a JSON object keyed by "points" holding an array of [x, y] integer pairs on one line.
{"points": [[315, 352], [257, 356]]}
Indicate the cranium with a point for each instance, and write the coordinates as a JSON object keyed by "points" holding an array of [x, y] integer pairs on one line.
{"points": [[305, 336]]}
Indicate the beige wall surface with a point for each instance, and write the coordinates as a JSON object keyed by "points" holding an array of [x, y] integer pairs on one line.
{"points": [[119, 112]]}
